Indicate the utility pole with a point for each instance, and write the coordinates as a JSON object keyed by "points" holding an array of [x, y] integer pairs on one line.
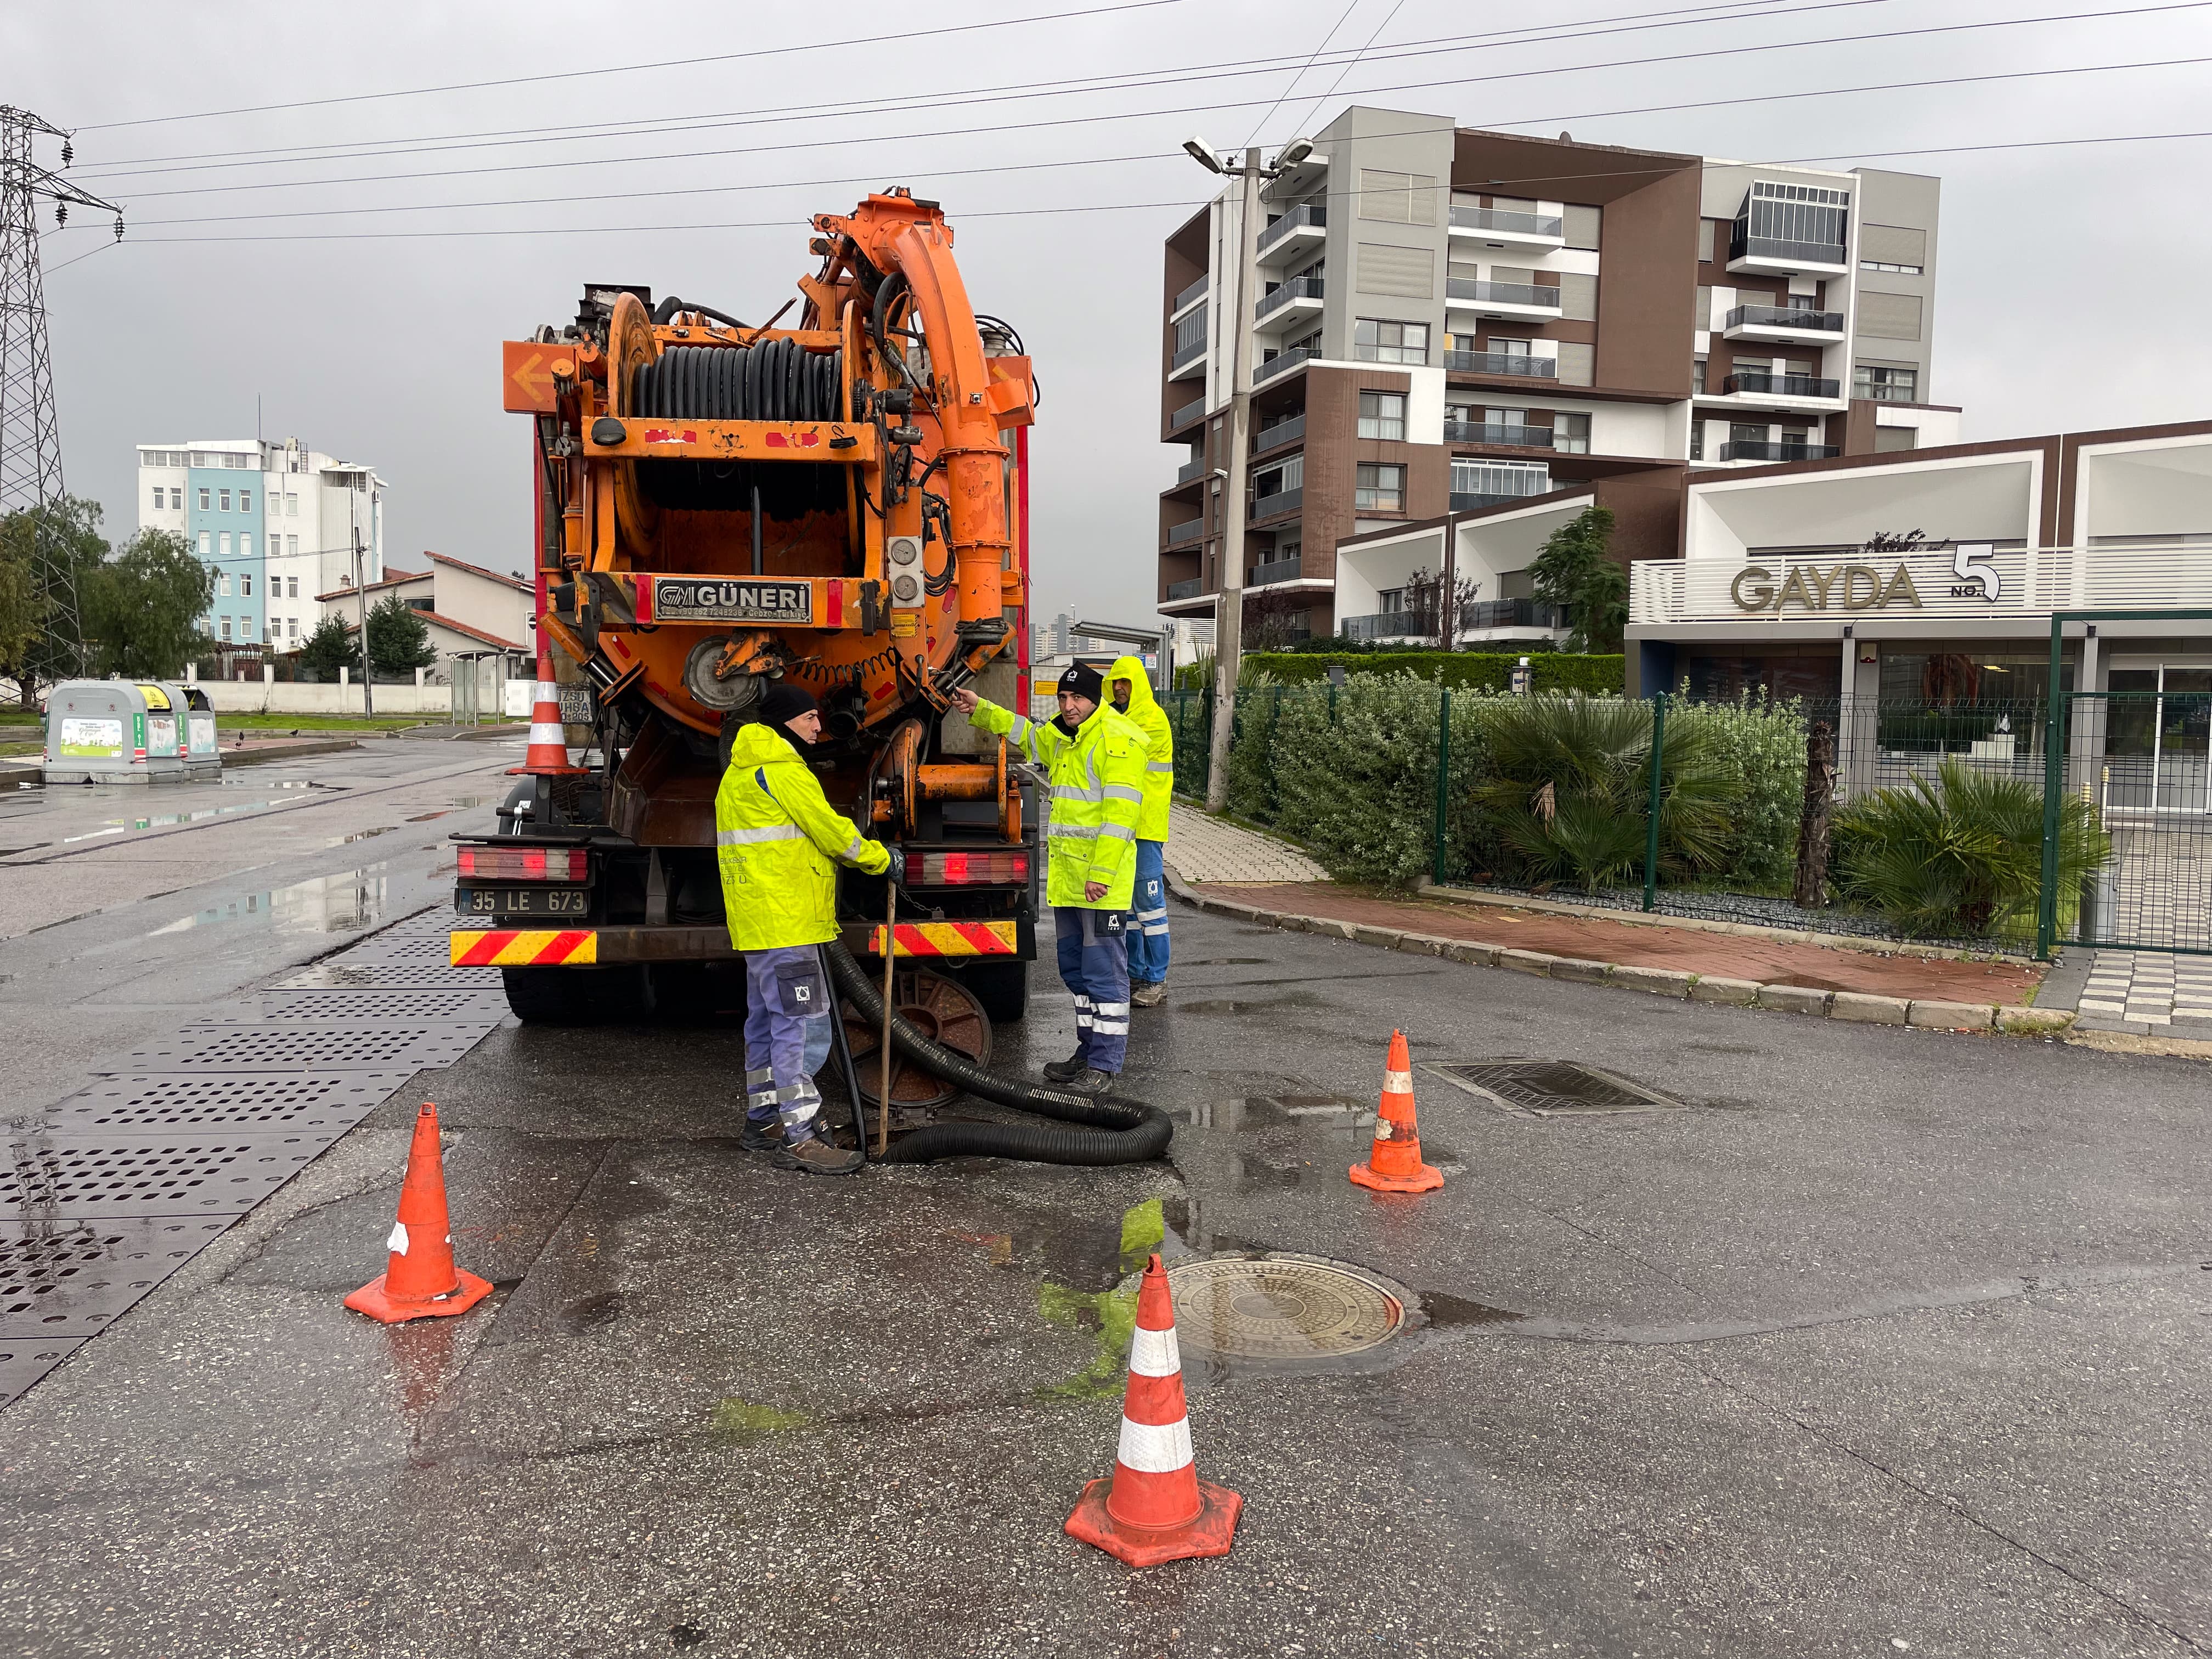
{"points": [[360, 592], [1228, 604], [30, 435]]}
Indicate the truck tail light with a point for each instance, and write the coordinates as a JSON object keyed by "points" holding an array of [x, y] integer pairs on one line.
{"points": [[963, 869], [524, 864]]}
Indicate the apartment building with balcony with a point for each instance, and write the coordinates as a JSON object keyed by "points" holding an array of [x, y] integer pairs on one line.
{"points": [[1453, 322]]}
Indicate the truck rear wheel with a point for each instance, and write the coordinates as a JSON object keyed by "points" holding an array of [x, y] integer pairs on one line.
{"points": [[1003, 988], [575, 996]]}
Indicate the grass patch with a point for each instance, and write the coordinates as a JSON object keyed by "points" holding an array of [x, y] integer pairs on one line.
{"points": [[741, 1422]]}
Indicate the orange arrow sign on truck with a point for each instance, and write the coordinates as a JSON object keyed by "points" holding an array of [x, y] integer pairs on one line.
{"points": [[529, 382]]}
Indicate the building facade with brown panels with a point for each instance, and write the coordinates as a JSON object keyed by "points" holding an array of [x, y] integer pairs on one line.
{"points": [[1447, 321]]}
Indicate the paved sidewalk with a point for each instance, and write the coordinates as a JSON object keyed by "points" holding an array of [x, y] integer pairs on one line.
{"points": [[2148, 992], [1201, 848]]}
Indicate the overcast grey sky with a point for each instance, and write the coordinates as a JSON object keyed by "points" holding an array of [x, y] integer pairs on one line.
{"points": [[2071, 276]]}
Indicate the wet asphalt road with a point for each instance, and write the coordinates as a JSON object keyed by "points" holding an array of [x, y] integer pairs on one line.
{"points": [[1890, 1342]]}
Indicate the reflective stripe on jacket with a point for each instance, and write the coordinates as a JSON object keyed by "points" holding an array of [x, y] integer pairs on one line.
{"points": [[1097, 779], [775, 838], [1146, 713]]}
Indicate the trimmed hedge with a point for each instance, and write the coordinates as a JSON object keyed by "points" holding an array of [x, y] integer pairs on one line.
{"points": [[1465, 671]]}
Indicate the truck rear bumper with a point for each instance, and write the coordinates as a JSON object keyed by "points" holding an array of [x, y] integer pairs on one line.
{"points": [[588, 947]]}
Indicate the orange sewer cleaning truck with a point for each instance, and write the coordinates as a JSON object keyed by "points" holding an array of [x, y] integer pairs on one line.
{"points": [[839, 502]]}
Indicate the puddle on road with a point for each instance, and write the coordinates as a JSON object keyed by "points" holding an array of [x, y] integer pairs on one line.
{"points": [[339, 903], [1227, 962], [165, 820], [360, 835], [1248, 1006], [1255, 1111]]}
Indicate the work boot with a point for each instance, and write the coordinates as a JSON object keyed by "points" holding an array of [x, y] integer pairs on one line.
{"points": [[816, 1157], [761, 1137], [1148, 996], [1091, 1081], [1059, 1070]]}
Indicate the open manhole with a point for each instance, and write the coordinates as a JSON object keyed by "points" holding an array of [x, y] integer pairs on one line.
{"points": [[1282, 1309], [1547, 1088]]}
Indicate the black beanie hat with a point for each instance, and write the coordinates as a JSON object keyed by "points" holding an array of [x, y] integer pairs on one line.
{"points": [[783, 703], [1084, 681]]}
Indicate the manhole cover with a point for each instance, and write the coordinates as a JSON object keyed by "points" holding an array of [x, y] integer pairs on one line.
{"points": [[1282, 1308], [1545, 1088]]}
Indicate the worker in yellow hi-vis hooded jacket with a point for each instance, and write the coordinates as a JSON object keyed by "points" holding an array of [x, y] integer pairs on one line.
{"points": [[1148, 917]]}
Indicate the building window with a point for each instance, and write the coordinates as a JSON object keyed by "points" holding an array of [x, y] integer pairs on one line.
{"points": [[1398, 198], [223, 583], [222, 544], [1742, 432], [291, 547], [1383, 415], [1697, 376], [158, 498], [291, 505], [245, 628], [207, 552], [1379, 488], [1374, 341], [1902, 271], [292, 627], [245, 500], [204, 500], [1571, 434], [222, 625], [1696, 441], [246, 584], [276, 547], [291, 588], [222, 500], [1886, 385]]}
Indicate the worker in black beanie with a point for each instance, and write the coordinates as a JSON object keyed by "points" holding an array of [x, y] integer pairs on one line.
{"points": [[779, 841]]}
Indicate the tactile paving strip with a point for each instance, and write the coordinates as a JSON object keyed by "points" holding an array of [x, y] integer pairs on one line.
{"points": [[23, 1362], [383, 1006], [250, 1103], [71, 1278], [117, 1175], [304, 1047]]}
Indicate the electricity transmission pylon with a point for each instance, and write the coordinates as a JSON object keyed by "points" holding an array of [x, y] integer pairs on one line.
{"points": [[30, 437]]}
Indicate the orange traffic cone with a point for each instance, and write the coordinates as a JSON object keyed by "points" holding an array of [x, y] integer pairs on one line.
{"points": [[419, 1280], [1395, 1165], [1153, 1508], [548, 754]]}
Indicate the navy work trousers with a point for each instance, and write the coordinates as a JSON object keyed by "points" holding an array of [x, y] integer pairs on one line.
{"points": [[1094, 965]]}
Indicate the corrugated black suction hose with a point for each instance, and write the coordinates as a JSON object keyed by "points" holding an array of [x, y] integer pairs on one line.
{"points": [[1118, 1130]]}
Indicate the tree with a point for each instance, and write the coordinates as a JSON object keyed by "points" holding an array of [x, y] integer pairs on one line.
{"points": [[1427, 613], [399, 639], [1274, 617], [330, 647], [1577, 571], [69, 529], [142, 608]]}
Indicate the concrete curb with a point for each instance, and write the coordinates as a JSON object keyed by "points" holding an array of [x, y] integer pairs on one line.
{"points": [[1848, 1006]]}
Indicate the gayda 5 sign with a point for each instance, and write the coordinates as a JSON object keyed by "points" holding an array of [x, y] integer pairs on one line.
{"points": [[1861, 587]]}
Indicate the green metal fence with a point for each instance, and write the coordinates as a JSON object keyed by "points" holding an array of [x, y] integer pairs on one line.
{"points": [[2120, 780]]}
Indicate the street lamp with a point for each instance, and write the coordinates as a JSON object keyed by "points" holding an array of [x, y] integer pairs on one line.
{"points": [[1228, 604]]}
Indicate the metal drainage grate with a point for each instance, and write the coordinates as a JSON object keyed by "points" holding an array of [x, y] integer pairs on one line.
{"points": [[333, 1101], [72, 1278], [1283, 1308], [1549, 1088], [339, 1047], [349, 976], [433, 950], [389, 1005], [139, 1175], [23, 1362]]}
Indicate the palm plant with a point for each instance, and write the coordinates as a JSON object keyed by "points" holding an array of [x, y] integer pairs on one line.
{"points": [[1961, 858], [1568, 794]]}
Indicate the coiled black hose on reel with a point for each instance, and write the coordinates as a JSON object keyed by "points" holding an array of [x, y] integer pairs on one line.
{"points": [[1116, 1130], [775, 381]]}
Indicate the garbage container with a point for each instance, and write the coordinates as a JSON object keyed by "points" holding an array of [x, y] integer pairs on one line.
{"points": [[203, 753], [115, 731]]}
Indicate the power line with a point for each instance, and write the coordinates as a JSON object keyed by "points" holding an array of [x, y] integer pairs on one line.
{"points": [[1388, 17], [1002, 127], [1130, 80], [900, 38], [1351, 6], [1032, 167]]}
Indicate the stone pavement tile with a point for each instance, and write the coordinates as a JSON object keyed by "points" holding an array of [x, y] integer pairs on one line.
{"points": [[1202, 848]]}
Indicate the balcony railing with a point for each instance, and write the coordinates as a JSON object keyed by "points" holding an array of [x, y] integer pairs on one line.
{"points": [[1525, 224], [1781, 385], [1282, 362], [1193, 468], [1278, 570], [1501, 294], [1181, 535], [1298, 287], [1474, 501], [1822, 322], [1189, 354], [1748, 451], [1186, 589], [1189, 412], [1744, 246], [1283, 500], [1283, 432], [1511, 613], [1476, 432], [1499, 362], [1190, 293], [1297, 218]]}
